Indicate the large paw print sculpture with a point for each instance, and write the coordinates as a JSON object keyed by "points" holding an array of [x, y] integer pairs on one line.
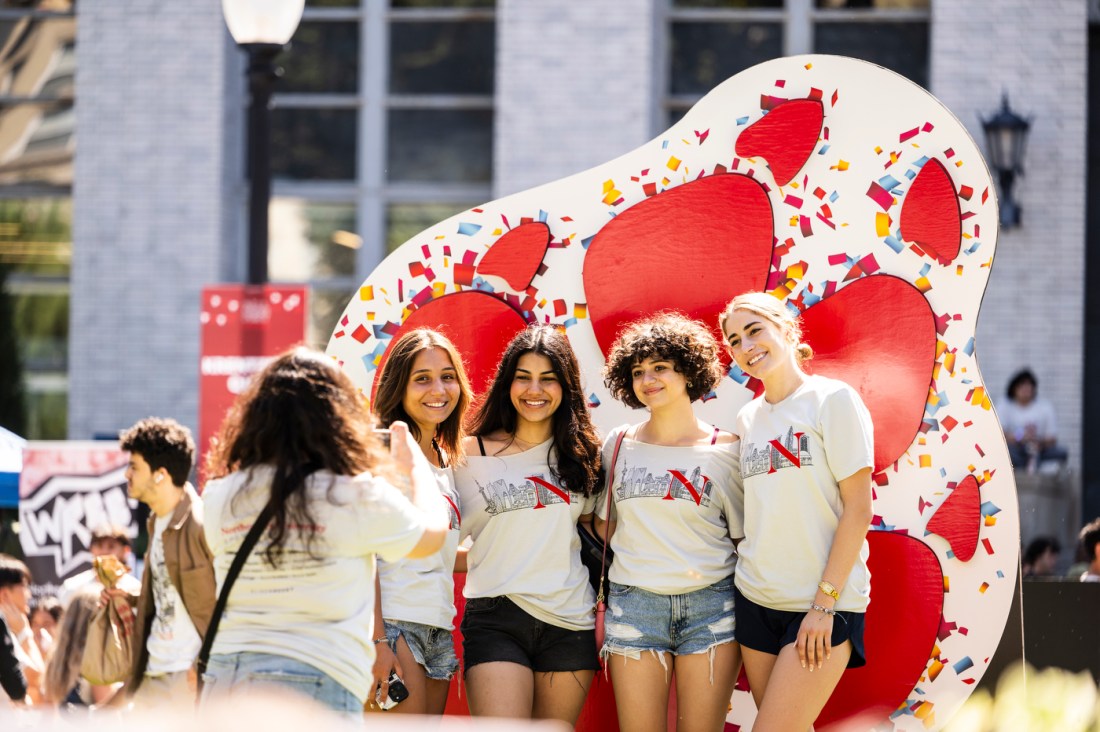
{"points": [[858, 198]]}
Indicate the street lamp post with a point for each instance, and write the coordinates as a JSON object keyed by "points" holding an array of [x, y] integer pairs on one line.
{"points": [[1006, 140], [262, 28]]}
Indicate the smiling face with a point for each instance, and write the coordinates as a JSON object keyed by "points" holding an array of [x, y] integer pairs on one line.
{"points": [[657, 383], [432, 391], [758, 346], [536, 390]]}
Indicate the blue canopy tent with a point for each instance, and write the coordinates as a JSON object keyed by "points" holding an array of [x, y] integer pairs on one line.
{"points": [[11, 464]]}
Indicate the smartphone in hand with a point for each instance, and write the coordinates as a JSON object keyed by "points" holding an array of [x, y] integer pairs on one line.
{"points": [[398, 693]]}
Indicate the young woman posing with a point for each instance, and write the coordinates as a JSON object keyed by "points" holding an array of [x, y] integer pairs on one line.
{"points": [[424, 385], [531, 471], [676, 510], [802, 579]]}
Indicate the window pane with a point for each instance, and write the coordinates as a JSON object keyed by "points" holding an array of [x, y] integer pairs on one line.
{"points": [[37, 143], [406, 220], [47, 414], [323, 57], [442, 58], [42, 327], [310, 240], [443, 3], [37, 57], [440, 146], [900, 47], [312, 144], [706, 54], [878, 4], [36, 236], [728, 3], [325, 308]]}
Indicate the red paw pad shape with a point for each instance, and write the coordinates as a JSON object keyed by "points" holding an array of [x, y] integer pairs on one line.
{"points": [[857, 198]]}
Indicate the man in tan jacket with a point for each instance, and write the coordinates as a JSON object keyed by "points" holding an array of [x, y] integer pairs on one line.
{"points": [[177, 585]]}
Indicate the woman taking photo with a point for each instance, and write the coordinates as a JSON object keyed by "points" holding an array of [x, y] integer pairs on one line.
{"points": [[301, 613], [424, 385], [531, 471], [802, 578], [675, 511]]}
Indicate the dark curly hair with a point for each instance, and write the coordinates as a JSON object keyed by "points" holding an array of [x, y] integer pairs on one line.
{"points": [[669, 336], [162, 443], [575, 439], [301, 414]]}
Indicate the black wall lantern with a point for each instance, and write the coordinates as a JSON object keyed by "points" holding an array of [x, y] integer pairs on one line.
{"points": [[1006, 140]]}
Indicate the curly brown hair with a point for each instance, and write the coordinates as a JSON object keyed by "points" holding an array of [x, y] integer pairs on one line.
{"points": [[669, 336], [162, 443]]}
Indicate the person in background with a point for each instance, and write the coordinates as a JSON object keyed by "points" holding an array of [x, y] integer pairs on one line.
{"points": [[1029, 424], [1090, 542], [177, 597], [107, 539], [1040, 559], [424, 385], [21, 664], [64, 685], [45, 617]]}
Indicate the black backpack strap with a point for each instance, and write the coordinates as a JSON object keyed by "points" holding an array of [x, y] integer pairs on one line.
{"points": [[481, 445], [247, 545], [610, 481]]}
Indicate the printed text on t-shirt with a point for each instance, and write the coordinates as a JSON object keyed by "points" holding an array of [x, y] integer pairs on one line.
{"points": [[792, 452], [534, 492], [685, 484]]}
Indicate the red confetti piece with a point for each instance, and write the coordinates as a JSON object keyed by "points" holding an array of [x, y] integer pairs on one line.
{"points": [[836, 95], [650, 189], [949, 153], [909, 134], [819, 192], [816, 93], [979, 449], [464, 274], [793, 201], [805, 225], [780, 83], [949, 423], [416, 269], [928, 127], [988, 547], [469, 257], [965, 192], [985, 195], [360, 334], [344, 321], [559, 308], [880, 195]]}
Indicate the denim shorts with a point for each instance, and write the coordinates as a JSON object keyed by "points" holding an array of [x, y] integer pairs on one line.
{"points": [[230, 672], [695, 622], [433, 648], [496, 629], [763, 629]]}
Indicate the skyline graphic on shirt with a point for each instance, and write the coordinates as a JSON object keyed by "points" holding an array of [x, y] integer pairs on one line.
{"points": [[671, 484], [776, 454], [536, 491]]}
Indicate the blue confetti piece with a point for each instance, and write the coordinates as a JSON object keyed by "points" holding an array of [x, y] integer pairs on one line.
{"points": [[1000, 574], [933, 425], [889, 182], [924, 270], [467, 229], [833, 196], [542, 216], [810, 298], [368, 363], [962, 664], [894, 244], [990, 509], [824, 149], [593, 401], [919, 162], [586, 242], [950, 554], [967, 381], [910, 174], [737, 374], [379, 333], [973, 248], [742, 120], [943, 472], [968, 349], [708, 396], [664, 144], [479, 283]]}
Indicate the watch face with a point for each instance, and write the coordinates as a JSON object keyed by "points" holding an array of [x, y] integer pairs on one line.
{"points": [[859, 200]]}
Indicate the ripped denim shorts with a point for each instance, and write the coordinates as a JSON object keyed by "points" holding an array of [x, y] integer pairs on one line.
{"points": [[694, 622]]}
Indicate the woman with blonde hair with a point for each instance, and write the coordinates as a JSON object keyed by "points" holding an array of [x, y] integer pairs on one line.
{"points": [[64, 685], [423, 384], [807, 452]]}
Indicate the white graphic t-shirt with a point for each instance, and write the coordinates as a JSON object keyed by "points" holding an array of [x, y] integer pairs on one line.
{"points": [[793, 456], [317, 605], [677, 510], [423, 590], [524, 530], [173, 643]]}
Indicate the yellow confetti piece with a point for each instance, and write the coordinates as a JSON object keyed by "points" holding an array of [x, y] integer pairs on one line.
{"points": [[923, 710], [608, 185], [612, 196], [580, 311], [665, 181], [878, 150], [793, 220], [922, 441], [446, 263], [370, 317], [793, 184], [990, 520], [808, 66], [842, 165], [781, 292], [967, 236], [959, 269], [940, 348], [984, 587], [542, 303], [882, 224], [926, 461], [930, 723], [958, 163], [441, 236], [949, 363], [893, 158], [946, 588], [923, 284], [498, 232], [673, 163], [366, 293], [934, 670], [936, 370], [795, 271], [438, 289]]}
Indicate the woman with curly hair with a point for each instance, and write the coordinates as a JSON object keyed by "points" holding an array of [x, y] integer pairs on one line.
{"points": [[675, 512], [531, 471], [424, 385], [301, 614], [802, 580]]}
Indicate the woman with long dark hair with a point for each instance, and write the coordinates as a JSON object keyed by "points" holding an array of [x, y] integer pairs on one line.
{"points": [[301, 613], [532, 468], [423, 384]]}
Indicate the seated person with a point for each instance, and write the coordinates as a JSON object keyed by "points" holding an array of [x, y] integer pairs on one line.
{"points": [[1041, 557], [1029, 424], [1090, 542]]}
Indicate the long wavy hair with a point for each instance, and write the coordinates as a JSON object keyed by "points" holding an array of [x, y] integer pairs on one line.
{"points": [[575, 440], [300, 415], [63, 668], [389, 397]]}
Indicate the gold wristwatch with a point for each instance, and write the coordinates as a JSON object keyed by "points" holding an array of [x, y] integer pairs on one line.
{"points": [[827, 587]]}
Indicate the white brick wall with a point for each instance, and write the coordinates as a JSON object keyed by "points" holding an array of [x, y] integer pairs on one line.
{"points": [[574, 86], [150, 207], [1032, 314]]}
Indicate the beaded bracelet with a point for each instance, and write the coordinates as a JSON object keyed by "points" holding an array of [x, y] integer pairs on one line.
{"points": [[823, 609]]}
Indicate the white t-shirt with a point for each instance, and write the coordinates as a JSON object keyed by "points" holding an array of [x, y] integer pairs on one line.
{"points": [[423, 590], [173, 643], [316, 609], [677, 511], [1038, 414], [525, 543], [793, 455]]}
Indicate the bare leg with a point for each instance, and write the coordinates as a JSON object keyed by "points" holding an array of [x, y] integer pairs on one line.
{"points": [[758, 667], [561, 694], [501, 689], [437, 694], [796, 695], [702, 700], [426, 696], [641, 690]]}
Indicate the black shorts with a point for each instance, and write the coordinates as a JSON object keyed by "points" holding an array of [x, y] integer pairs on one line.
{"points": [[766, 630], [496, 629]]}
